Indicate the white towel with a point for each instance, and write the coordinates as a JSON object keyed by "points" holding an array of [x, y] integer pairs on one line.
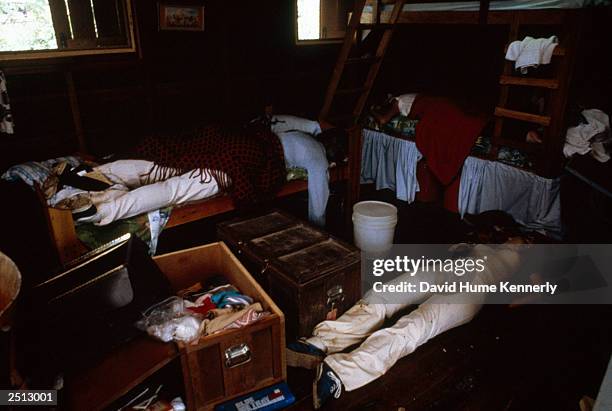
{"points": [[578, 139], [531, 52]]}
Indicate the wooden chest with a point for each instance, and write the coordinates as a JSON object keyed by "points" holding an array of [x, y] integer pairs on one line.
{"points": [[234, 362], [311, 275]]}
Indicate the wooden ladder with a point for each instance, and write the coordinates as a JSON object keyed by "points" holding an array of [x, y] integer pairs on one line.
{"points": [[552, 121], [345, 61]]}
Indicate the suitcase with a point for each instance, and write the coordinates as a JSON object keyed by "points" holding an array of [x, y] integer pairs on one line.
{"points": [[311, 275]]}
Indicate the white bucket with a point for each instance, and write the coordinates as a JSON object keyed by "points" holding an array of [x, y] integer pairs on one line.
{"points": [[374, 226]]}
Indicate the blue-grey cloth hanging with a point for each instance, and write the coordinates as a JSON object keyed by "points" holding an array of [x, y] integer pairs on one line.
{"points": [[6, 118]]}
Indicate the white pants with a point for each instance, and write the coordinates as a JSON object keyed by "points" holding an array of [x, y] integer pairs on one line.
{"points": [[380, 349], [120, 202]]}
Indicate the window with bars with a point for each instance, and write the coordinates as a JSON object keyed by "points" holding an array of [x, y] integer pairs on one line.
{"points": [[64, 25]]}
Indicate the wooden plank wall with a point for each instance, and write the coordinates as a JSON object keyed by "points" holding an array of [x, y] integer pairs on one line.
{"points": [[245, 57]]}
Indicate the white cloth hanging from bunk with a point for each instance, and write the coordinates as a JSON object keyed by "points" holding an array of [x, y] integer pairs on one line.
{"points": [[579, 139], [532, 200], [530, 53], [390, 163]]}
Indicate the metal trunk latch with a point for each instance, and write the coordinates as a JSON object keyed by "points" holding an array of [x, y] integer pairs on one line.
{"points": [[237, 355], [335, 296]]}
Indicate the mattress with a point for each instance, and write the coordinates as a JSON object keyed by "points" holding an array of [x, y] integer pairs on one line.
{"points": [[502, 5]]}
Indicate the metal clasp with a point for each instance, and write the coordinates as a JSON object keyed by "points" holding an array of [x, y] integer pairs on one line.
{"points": [[237, 355], [335, 295]]}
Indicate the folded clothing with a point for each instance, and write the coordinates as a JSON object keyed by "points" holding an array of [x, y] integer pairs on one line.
{"points": [[199, 311]]}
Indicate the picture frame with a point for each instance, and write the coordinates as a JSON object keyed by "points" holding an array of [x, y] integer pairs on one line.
{"points": [[177, 17]]}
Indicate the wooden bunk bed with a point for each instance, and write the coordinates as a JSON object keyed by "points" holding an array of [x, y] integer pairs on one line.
{"points": [[65, 241], [387, 15]]}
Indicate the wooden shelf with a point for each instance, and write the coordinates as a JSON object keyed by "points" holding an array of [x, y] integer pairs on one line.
{"points": [[118, 373]]}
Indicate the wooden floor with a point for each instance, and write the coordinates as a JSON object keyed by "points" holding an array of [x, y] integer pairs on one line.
{"points": [[527, 358]]}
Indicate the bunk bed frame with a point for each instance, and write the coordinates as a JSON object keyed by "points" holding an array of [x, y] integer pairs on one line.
{"points": [[65, 241], [61, 225], [548, 155]]}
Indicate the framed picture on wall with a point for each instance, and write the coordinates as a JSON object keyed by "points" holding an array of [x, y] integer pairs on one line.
{"points": [[181, 17]]}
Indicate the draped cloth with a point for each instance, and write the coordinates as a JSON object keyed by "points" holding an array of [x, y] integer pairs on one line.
{"points": [[247, 163], [390, 162], [445, 135], [6, 118], [532, 200]]}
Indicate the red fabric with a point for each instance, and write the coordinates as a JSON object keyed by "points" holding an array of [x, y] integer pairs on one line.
{"points": [[451, 195], [247, 163], [444, 135], [430, 189]]}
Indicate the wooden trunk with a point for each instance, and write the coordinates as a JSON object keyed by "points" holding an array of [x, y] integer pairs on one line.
{"points": [[311, 275], [234, 362]]}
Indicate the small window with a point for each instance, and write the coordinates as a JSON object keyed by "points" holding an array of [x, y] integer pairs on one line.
{"points": [[321, 20], [52, 28]]}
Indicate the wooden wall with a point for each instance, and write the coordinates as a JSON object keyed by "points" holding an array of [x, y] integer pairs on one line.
{"points": [[245, 57]]}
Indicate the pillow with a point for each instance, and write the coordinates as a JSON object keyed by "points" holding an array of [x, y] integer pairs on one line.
{"points": [[282, 123], [36, 172]]}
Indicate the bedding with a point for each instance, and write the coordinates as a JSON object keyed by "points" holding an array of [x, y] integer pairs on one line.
{"points": [[391, 163], [401, 126], [303, 151], [143, 209], [509, 5]]}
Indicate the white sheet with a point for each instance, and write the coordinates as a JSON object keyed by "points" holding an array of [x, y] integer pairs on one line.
{"points": [[532, 200], [502, 5]]}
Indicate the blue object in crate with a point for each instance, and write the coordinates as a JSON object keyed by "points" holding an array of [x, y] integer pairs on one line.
{"points": [[272, 398]]}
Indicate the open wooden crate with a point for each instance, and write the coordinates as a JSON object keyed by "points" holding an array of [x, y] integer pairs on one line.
{"points": [[234, 362]]}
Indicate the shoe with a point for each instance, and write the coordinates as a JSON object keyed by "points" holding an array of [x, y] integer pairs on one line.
{"points": [[326, 385], [303, 355]]}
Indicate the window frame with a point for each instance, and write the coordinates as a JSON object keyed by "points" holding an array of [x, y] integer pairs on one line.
{"points": [[60, 53], [316, 42]]}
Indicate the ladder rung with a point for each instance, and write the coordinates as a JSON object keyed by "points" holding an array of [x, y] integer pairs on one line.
{"points": [[363, 60], [519, 115], [532, 82], [355, 90], [375, 26]]}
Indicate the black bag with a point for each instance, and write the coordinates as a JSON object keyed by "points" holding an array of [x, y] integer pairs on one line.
{"points": [[91, 306]]}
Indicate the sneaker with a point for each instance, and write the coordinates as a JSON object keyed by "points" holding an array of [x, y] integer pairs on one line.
{"points": [[303, 355], [326, 385]]}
